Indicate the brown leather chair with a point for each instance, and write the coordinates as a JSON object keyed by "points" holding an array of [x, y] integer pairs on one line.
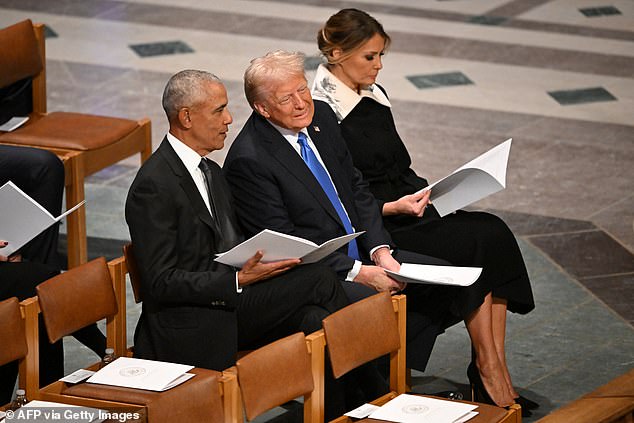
{"points": [[14, 346], [76, 298], [376, 326], [280, 372], [86, 294], [364, 331], [85, 143]]}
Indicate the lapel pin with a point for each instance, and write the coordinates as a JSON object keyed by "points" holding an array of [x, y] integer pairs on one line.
{"points": [[316, 128]]}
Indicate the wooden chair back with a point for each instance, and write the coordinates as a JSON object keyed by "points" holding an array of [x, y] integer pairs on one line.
{"points": [[22, 50], [133, 271], [366, 330], [280, 372], [76, 298]]}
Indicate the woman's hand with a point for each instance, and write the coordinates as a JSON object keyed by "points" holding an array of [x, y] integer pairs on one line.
{"points": [[2, 245], [412, 205]]}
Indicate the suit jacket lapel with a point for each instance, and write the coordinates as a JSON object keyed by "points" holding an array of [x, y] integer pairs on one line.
{"points": [[288, 158], [187, 183]]}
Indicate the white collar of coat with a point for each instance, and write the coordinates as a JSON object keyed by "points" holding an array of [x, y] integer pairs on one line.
{"points": [[341, 98]]}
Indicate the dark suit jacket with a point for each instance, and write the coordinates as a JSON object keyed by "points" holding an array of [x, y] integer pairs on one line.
{"points": [[273, 188], [189, 300]]}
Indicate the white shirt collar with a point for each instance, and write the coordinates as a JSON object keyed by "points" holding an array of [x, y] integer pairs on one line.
{"points": [[188, 156], [291, 136], [341, 98]]}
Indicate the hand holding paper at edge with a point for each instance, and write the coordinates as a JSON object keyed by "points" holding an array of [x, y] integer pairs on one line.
{"points": [[278, 246], [436, 275], [481, 177], [23, 218]]}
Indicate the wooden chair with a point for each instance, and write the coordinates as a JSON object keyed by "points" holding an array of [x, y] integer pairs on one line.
{"points": [[367, 330], [376, 326], [85, 294], [14, 346], [85, 143], [280, 372], [79, 297], [126, 265]]}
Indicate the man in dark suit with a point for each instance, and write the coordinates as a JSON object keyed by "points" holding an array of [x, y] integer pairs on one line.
{"points": [[179, 212], [276, 184]]}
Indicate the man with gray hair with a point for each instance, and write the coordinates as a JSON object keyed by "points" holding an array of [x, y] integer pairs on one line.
{"points": [[290, 171], [179, 211]]}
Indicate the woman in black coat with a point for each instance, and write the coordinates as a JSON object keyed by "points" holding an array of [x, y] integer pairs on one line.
{"points": [[352, 43]]}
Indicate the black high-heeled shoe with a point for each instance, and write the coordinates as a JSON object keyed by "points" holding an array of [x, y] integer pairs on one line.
{"points": [[479, 392]]}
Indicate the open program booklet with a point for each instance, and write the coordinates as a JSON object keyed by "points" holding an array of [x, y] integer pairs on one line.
{"points": [[481, 177], [22, 218], [278, 246]]}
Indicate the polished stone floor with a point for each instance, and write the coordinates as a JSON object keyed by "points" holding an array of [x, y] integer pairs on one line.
{"points": [[463, 75]]}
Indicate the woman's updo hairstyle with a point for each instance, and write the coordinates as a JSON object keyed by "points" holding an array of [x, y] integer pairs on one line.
{"points": [[347, 30]]}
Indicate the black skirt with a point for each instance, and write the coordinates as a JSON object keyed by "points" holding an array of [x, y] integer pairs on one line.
{"points": [[465, 238]]}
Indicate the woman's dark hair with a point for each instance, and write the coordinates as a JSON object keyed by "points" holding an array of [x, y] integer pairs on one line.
{"points": [[347, 30]]}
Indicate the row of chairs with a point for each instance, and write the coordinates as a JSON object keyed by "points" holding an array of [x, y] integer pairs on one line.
{"points": [[262, 379], [85, 143]]}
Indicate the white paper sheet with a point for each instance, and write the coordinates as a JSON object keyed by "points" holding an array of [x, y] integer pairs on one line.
{"points": [[13, 124], [436, 275], [278, 246], [142, 374], [481, 177], [419, 409], [22, 218]]}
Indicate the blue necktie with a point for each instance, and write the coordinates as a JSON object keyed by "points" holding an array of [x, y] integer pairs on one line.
{"points": [[326, 184]]}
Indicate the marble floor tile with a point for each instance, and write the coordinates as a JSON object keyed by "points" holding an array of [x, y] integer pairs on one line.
{"points": [[161, 48], [582, 95], [439, 80], [586, 254], [592, 12], [616, 291], [567, 12]]}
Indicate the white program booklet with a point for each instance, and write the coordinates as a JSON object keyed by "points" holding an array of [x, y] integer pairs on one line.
{"points": [[436, 275], [419, 409], [278, 246], [13, 123], [22, 218], [481, 177], [138, 373]]}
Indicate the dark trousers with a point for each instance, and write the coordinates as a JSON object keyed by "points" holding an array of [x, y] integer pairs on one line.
{"points": [[40, 174], [422, 329]]}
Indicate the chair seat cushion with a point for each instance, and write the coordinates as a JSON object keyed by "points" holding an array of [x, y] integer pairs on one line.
{"points": [[74, 131], [196, 400]]}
